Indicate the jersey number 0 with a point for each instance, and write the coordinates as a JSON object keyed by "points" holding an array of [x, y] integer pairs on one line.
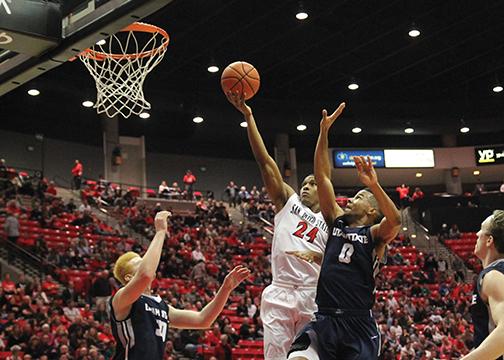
{"points": [[161, 330]]}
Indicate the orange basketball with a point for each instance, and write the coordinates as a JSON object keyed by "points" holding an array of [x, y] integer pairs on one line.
{"points": [[241, 78]]}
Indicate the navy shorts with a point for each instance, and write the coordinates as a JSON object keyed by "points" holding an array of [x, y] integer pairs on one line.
{"points": [[339, 336]]}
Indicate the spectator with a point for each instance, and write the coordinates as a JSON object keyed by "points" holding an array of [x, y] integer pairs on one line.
{"points": [[245, 329], [458, 267], [70, 207], [8, 285], [199, 273], [403, 191], [242, 309], [69, 293], [251, 308], [175, 190], [243, 194], [77, 172], [101, 288], [417, 195], [11, 228], [71, 312], [213, 337], [4, 172], [442, 265], [15, 349], [197, 254], [392, 304], [85, 207], [223, 351], [255, 194], [51, 189], [189, 180], [163, 190], [232, 193], [454, 232]]}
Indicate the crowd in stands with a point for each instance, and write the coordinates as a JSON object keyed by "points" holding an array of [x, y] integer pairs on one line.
{"points": [[422, 311]]}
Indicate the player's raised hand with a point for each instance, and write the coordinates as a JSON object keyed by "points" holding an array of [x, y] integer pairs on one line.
{"points": [[238, 102], [235, 277], [328, 120], [365, 168], [160, 221]]}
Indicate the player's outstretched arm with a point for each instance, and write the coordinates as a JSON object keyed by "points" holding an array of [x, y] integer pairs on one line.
{"points": [[146, 273], [327, 199], [493, 346], [278, 190], [388, 228], [187, 319]]}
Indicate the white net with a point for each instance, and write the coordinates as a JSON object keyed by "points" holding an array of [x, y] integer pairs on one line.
{"points": [[120, 65]]}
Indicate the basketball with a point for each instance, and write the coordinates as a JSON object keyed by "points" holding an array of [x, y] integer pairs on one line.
{"points": [[242, 78]]}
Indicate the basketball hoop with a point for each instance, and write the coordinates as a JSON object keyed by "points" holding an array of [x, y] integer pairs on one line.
{"points": [[120, 66]]}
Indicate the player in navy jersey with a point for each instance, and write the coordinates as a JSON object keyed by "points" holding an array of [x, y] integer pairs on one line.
{"points": [[344, 327], [139, 320], [488, 300]]}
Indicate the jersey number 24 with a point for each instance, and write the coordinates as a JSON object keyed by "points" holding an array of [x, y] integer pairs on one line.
{"points": [[301, 230]]}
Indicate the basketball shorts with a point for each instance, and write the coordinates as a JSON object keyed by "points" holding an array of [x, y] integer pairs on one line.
{"points": [[285, 310], [339, 334]]}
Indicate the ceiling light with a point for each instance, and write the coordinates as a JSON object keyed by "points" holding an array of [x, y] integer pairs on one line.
{"points": [[405, 229], [413, 31], [302, 15], [409, 130], [33, 92], [198, 119], [213, 68], [497, 88], [476, 172], [464, 129], [413, 236], [101, 42], [353, 86], [243, 124], [418, 174], [301, 127], [356, 130], [144, 115], [87, 103]]}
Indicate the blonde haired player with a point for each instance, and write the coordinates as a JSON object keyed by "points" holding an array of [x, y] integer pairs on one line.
{"points": [[289, 302], [488, 300], [139, 320]]}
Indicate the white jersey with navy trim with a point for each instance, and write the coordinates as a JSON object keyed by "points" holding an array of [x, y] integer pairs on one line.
{"points": [[143, 334], [297, 228]]}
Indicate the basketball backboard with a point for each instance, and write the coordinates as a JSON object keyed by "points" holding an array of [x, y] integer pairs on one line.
{"points": [[36, 36]]}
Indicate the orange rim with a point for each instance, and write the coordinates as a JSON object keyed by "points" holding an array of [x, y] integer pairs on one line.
{"points": [[138, 27]]}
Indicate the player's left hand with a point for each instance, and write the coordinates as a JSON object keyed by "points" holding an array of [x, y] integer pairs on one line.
{"points": [[161, 221], [235, 277], [367, 173], [310, 256]]}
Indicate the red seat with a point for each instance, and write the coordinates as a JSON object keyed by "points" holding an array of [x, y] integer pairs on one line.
{"points": [[250, 344]]}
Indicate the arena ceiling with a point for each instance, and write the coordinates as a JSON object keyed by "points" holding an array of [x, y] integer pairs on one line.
{"points": [[429, 83]]}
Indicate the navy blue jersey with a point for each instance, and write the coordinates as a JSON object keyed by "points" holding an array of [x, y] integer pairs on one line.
{"points": [[346, 278], [142, 335], [480, 312]]}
